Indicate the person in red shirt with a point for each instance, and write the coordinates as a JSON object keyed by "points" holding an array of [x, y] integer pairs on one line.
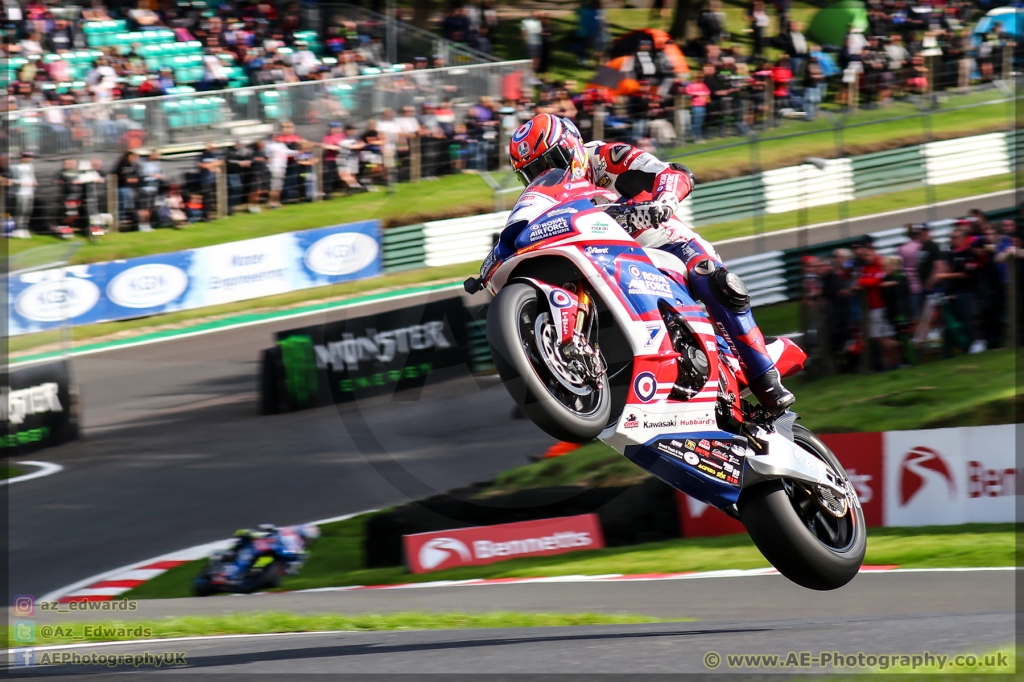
{"points": [[872, 274], [782, 77]]}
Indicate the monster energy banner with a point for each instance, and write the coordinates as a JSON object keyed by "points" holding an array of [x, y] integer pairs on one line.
{"points": [[363, 356], [38, 408]]}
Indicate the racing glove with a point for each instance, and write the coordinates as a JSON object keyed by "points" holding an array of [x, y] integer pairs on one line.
{"points": [[651, 214]]}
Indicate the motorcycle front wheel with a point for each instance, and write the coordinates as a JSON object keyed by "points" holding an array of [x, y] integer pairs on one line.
{"points": [[795, 530], [523, 343]]}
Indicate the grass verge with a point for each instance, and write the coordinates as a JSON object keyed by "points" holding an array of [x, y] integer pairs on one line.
{"points": [[447, 197], [967, 390], [10, 472], [260, 623], [337, 558]]}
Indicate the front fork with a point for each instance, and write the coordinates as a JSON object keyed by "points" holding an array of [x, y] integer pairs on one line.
{"points": [[578, 349]]}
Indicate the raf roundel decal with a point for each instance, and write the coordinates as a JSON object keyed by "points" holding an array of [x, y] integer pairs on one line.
{"points": [[560, 299], [645, 386], [634, 271], [691, 459], [523, 131]]}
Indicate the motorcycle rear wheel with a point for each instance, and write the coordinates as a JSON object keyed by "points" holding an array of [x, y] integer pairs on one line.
{"points": [[511, 325], [803, 541]]}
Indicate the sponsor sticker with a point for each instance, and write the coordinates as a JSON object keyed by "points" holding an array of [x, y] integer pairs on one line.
{"points": [[559, 298], [57, 299], [549, 228], [521, 132], [342, 253], [147, 286], [645, 386]]}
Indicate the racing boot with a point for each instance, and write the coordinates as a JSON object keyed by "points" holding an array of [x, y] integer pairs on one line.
{"points": [[770, 392]]}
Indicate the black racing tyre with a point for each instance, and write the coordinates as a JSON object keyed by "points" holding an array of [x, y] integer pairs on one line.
{"points": [[202, 587], [804, 542], [511, 320]]}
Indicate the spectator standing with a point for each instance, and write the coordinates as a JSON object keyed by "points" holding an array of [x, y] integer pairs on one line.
{"points": [[278, 155], [152, 172], [794, 44], [294, 142], [759, 22], [331, 145], [24, 178], [260, 175], [709, 24], [813, 79], [927, 258], [531, 29], [869, 280], [782, 77], [127, 172], [70, 191], [699, 94], [958, 278], [210, 164], [909, 253], [238, 160], [391, 136], [96, 210]]}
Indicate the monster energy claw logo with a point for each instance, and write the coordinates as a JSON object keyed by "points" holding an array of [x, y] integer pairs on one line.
{"points": [[299, 368]]}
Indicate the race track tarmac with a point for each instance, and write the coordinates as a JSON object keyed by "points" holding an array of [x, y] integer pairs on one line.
{"points": [[879, 613], [175, 454]]}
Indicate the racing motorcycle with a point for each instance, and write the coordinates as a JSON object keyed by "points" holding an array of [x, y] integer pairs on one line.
{"points": [[256, 560], [596, 337]]}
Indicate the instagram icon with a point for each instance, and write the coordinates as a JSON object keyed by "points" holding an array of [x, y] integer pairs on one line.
{"points": [[24, 605]]}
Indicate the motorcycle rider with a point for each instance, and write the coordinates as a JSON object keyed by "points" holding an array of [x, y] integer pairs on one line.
{"points": [[657, 188]]}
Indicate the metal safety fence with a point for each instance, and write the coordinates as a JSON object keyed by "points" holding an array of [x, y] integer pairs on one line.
{"points": [[194, 118]]}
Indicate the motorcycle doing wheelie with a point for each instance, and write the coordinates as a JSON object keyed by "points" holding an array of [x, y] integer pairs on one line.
{"points": [[596, 337]]}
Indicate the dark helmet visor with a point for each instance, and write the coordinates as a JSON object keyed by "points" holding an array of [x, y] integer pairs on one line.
{"points": [[557, 157]]}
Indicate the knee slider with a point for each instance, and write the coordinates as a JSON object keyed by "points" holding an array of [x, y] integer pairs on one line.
{"points": [[730, 290]]}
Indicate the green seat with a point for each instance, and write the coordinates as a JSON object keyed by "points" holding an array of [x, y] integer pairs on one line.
{"points": [[188, 108], [271, 101], [203, 111], [172, 110], [137, 113], [30, 128]]}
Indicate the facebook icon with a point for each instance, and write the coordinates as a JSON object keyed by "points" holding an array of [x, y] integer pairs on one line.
{"points": [[23, 658]]}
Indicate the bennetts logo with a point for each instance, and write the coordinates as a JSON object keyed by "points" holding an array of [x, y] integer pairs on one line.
{"points": [[921, 468], [439, 550]]}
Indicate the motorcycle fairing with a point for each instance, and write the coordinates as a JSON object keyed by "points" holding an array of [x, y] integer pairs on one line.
{"points": [[707, 465], [562, 303]]}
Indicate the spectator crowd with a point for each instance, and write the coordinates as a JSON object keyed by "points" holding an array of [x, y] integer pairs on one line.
{"points": [[55, 53], [868, 310], [741, 77]]}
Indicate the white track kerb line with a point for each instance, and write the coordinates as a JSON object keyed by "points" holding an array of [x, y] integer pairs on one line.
{"points": [[45, 469]]}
